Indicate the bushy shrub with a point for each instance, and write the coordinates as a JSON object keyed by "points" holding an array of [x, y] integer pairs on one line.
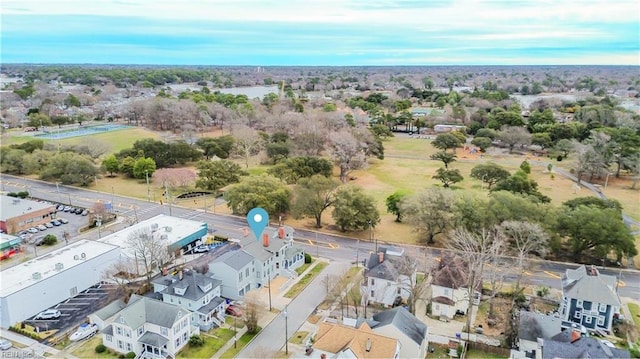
{"points": [[196, 341], [100, 348], [49, 239], [307, 258], [130, 355]]}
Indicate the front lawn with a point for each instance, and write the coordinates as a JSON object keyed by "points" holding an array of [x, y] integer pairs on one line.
{"points": [[304, 281], [213, 341], [304, 267], [88, 349]]}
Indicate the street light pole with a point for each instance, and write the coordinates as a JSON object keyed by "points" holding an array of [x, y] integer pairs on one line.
{"points": [[286, 331], [235, 332]]}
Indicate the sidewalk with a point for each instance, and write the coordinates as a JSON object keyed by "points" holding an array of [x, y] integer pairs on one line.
{"points": [[31, 345]]}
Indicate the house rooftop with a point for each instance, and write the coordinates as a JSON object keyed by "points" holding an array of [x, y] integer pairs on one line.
{"points": [[193, 283], [569, 345], [406, 322], [534, 325], [142, 310], [23, 275], [588, 284], [451, 272], [170, 229], [13, 207], [235, 259], [362, 341]]}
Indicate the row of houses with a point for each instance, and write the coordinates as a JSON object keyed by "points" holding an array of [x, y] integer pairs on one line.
{"points": [[182, 304]]}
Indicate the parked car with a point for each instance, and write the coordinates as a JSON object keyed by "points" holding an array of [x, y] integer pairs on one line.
{"points": [[85, 212], [5, 344], [56, 223], [63, 220], [48, 314], [84, 331], [67, 208], [33, 230], [60, 208], [48, 225], [41, 227], [78, 211], [38, 241], [233, 310], [201, 249]]}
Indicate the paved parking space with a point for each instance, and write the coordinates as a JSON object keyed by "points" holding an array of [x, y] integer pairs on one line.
{"points": [[74, 311]]}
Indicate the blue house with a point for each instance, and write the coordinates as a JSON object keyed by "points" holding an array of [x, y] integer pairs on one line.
{"points": [[589, 299]]}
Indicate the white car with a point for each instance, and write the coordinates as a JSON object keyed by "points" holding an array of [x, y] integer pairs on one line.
{"points": [[84, 331], [48, 314], [5, 344], [201, 249]]}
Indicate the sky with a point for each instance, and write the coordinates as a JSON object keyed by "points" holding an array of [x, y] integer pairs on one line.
{"points": [[321, 32]]}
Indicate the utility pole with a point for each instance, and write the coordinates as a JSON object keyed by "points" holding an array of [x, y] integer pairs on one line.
{"points": [[166, 196], [146, 174], [235, 332], [269, 284], [99, 224]]}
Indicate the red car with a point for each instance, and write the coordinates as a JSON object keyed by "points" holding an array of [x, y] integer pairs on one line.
{"points": [[233, 310]]}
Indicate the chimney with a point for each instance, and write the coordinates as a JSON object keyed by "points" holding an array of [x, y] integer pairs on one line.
{"points": [[575, 335], [281, 232], [380, 257], [165, 271], [323, 356], [265, 239], [367, 346]]}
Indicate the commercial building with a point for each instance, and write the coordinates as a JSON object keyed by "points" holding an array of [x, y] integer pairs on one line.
{"points": [[45, 281], [9, 245], [173, 232], [19, 214]]}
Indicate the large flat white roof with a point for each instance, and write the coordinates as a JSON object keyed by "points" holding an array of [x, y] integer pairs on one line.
{"points": [[173, 229], [13, 207], [21, 276]]}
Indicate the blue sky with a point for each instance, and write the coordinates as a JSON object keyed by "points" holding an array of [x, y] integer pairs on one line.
{"points": [[326, 32]]}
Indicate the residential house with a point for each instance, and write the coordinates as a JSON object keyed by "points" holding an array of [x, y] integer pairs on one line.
{"points": [[385, 279], [399, 323], [150, 328], [449, 287], [589, 299], [531, 328], [236, 271], [196, 292], [572, 344], [104, 316], [342, 341]]}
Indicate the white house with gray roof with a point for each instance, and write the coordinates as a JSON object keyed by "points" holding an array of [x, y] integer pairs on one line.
{"points": [[383, 283], [196, 292], [589, 299], [236, 271], [257, 262], [150, 328]]}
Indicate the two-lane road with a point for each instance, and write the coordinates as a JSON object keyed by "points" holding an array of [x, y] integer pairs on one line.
{"points": [[340, 248]]}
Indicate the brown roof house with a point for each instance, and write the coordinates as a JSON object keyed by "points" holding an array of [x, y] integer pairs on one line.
{"points": [[449, 287], [342, 341]]}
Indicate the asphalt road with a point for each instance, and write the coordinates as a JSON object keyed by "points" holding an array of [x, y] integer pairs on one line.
{"points": [[338, 248]]}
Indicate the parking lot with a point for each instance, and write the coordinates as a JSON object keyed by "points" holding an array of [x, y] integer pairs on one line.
{"points": [[74, 311], [74, 222]]}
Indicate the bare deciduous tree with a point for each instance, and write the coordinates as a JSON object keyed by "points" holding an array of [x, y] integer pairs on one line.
{"points": [[121, 273], [175, 177], [253, 310], [248, 143], [347, 153], [514, 135], [149, 250], [477, 248]]}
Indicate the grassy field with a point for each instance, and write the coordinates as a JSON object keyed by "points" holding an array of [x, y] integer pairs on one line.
{"points": [[298, 337], [476, 354], [304, 281], [304, 267], [635, 313]]}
